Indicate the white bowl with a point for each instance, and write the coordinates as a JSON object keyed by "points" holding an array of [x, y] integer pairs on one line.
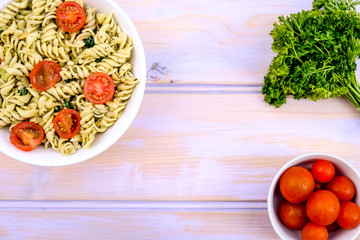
{"points": [[103, 141], [274, 197]]}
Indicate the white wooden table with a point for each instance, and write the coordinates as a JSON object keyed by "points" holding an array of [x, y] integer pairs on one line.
{"points": [[199, 158]]}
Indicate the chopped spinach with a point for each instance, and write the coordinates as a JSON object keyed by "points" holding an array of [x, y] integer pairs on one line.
{"points": [[68, 104], [89, 42], [57, 109], [70, 80], [99, 59], [23, 91]]}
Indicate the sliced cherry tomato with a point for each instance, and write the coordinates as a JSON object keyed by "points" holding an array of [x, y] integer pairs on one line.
{"points": [[99, 88], [70, 16], [67, 123], [342, 187], [323, 207], [312, 231], [323, 171], [293, 215], [45, 75], [27, 136], [349, 216], [297, 184]]}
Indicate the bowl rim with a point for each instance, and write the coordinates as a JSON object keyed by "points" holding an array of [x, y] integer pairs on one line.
{"points": [[294, 162], [140, 91]]}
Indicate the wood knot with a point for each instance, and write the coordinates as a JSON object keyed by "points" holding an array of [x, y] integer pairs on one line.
{"points": [[157, 72]]}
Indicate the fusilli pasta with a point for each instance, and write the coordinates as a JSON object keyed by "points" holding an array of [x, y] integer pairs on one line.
{"points": [[29, 33]]}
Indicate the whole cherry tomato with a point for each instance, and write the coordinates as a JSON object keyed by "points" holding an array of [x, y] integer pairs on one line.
{"points": [[323, 207], [293, 215], [312, 231], [296, 184], [342, 187], [334, 226], [319, 186], [349, 216], [323, 171]]}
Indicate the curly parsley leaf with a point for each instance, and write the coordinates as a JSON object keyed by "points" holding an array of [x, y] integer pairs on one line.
{"points": [[316, 53]]}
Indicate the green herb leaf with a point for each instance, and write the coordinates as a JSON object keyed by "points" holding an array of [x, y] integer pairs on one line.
{"points": [[80, 143], [3, 74], [23, 91], [1, 31], [99, 60], [316, 53], [70, 80], [57, 109], [68, 104], [89, 42]]}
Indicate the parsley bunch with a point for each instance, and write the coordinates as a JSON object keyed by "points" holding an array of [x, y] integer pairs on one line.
{"points": [[316, 54]]}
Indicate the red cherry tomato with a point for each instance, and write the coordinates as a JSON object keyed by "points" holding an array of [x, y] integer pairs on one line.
{"points": [[296, 184], [323, 207], [342, 187], [293, 215], [333, 227], [312, 231], [99, 88], [349, 216], [67, 123], [70, 16], [27, 136], [319, 186], [323, 171], [45, 75]]}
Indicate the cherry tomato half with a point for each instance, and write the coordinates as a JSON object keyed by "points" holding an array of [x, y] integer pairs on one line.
{"points": [[323, 171], [293, 215], [67, 123], [323, 207], [342, 187], [312, 231], [27, 136], [70, 16], [349, 216], [296, 184], [99, 88], [45, 75]]}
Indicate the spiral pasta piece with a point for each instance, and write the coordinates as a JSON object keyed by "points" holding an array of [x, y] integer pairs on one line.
{"points": [[30, 34], [8, 14]]}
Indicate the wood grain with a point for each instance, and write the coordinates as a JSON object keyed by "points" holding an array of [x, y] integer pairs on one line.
{"points": [[207, 41], [199, 158], [208, 147], [125, 225]]}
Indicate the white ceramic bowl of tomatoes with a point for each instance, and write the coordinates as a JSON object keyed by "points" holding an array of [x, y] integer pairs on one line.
{"points": [[315, 196], [49, 157]]}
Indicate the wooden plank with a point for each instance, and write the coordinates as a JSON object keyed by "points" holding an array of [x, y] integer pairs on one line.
{"points": [[208, 147], [206, 42], [52, 225]]}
